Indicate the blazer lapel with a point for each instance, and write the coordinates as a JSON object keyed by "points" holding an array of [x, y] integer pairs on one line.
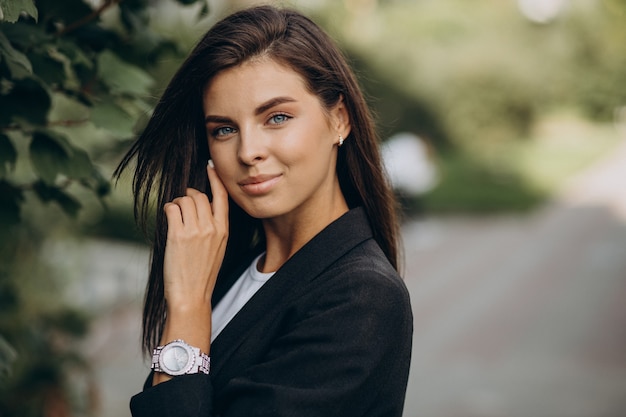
{"points": [[310, 261]]}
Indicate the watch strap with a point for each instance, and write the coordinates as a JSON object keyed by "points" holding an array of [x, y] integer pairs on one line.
{"points": [[156, 353], [205, 363]]}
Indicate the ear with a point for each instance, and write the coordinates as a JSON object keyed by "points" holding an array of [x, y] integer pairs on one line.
{"points": [[340, 119]]}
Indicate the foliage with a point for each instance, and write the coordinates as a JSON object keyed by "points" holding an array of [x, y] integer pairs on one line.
{"points": [[44, 367], [478, 187], [598, 59], [472, 79], [73, 85]]}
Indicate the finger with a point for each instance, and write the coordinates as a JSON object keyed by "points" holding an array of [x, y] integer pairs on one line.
{"points": [[188, 210], [174, 216], [220, 195], [203, 206]]}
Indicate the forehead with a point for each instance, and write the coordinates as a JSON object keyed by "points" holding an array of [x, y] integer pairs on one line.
{"points": [[254, 81]]}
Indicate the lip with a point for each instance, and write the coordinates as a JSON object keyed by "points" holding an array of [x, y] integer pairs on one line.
{"points": [[259, 184]]}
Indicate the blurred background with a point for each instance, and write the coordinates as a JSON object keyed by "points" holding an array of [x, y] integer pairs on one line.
{"points": [[503, 126]]}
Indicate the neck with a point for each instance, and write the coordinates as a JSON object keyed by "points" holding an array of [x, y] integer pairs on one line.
{"points": [[288, 234]]}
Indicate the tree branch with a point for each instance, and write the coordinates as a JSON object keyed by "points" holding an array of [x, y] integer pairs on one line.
{"points": [[86, 19], [67, 123]]}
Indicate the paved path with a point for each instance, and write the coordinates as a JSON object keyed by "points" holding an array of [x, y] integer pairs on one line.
{"points": [[523, 316], [514, 316]]}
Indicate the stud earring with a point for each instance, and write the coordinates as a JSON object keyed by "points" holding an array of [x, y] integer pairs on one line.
{"points": [[340, 140]]}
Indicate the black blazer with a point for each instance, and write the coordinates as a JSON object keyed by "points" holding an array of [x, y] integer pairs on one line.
{"points": [[328, 335]]}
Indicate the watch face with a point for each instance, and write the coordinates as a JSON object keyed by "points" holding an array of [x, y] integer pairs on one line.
{"points": [[176, 359]]}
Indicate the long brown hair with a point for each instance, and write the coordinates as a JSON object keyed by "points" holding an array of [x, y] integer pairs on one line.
{"points": [[172, 151]]}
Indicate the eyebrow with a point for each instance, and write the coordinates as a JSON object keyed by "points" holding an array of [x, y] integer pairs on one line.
{"points": [[272, 103], [216, 119], [259, 110]]}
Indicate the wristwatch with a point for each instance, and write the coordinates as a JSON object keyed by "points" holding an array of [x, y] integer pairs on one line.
{"points": [[179, 358]]}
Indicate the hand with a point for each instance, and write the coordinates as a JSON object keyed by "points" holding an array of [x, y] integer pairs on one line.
{"points": [[196, 243]]}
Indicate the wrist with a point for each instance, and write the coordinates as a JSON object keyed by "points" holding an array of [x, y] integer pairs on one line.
{"points": [[190, 325], [188, 309]]}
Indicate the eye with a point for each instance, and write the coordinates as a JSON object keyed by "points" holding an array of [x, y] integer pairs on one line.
{"points": [[278, 119], [223, 131]]}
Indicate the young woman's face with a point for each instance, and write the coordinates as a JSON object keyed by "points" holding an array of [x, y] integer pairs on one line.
{"points": [[273, 144]]}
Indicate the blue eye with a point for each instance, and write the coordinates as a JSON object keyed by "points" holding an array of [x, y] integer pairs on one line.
{"points": [[278, 119], [223, 131]]}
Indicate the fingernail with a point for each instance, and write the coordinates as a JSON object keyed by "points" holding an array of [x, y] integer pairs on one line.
{"points": [[210, 163]]}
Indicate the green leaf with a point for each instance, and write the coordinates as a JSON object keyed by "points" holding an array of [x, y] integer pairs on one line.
{"points": [[132, 17], [8, 355], [102, 186], [108, 115], [11, 10], [76, 55], [204, 11], [10, 199], [80, 166], [28, 100], [47, 193], [50, 70], [52, 154], [8, 155], [122, 77], [63, 11], [68, 203], [68, 109], [98, 184], [25, 36], [16, 62], [82, 97], [49, 155]]}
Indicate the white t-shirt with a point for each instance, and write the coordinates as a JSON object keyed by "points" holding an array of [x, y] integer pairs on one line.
{"points": [[237, 296]]}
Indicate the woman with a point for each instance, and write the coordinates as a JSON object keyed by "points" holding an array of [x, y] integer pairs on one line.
{"points": [[277, 295]]}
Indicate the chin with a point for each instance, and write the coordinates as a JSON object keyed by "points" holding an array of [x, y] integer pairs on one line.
{"points": [[261, 211]]}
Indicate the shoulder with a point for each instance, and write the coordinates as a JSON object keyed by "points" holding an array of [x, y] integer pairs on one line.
{"points": [[364, 279], [367, 265]]}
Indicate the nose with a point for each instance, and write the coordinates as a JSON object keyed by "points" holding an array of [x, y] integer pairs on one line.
{"points": [[252, 147]]}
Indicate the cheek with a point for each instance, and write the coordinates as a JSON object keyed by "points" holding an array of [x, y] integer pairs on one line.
{"points": [[228, 180], [223, 166], [220, 155], [290, 153], [306, 144]]}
